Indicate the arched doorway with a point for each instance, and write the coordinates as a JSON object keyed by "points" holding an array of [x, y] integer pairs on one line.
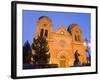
{"points": [[62, 59]]}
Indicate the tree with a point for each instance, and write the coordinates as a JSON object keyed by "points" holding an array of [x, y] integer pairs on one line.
{"points": [[76, 62], [40, 45], [27, 52]]}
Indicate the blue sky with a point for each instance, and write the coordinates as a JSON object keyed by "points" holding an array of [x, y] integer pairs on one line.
{"points": [[29, 19]]}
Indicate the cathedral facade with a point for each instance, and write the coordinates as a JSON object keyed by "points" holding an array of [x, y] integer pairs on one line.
{"points": [[62, 43]]}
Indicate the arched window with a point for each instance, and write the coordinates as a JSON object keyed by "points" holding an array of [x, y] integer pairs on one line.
{"points": [[45, 25], [46, 33], [42, 31]]}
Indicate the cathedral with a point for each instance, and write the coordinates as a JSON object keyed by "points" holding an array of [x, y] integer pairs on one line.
{"points": [[63, 43]]}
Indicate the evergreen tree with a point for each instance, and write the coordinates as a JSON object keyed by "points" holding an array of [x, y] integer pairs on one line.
{"points": [[26, 52], [40, 45], [76, 55]]}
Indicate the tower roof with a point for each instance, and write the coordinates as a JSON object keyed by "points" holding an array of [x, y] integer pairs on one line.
{"points": [[72, 27], [42, 17]]}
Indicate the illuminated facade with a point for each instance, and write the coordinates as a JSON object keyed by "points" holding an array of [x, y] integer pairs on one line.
{"points": [[62, 43]]}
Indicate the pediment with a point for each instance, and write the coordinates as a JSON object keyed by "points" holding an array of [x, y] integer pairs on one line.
{"points": [[62, 30]]}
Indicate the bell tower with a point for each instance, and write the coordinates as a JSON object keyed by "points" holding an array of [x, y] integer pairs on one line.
{"points": [[44, 27]]}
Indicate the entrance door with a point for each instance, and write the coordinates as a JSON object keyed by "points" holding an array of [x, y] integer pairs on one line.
{"points": [[62, 61]]}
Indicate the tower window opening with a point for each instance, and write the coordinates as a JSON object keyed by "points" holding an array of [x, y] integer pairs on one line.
{"points": [[46, 33], [41, 33], [75, 38], [78, 38]]}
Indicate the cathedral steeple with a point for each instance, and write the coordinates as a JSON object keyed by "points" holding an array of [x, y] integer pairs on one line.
{"points": [[44, 26]]}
